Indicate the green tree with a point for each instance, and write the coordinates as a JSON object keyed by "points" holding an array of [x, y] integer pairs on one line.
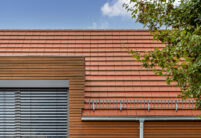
{"points": [[180, 59]]}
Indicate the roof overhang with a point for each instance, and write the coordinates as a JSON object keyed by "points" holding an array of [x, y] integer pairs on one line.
{"points": [[156, 118]]}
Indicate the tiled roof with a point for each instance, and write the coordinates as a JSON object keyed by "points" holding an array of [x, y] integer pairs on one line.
{"points": [[111, 73]]}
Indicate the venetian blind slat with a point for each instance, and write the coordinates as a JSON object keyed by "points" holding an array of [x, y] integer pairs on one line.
{"points": [[34, 113]]}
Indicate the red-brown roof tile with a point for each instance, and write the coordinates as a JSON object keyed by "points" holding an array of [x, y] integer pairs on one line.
{"points": [[110, 71]]}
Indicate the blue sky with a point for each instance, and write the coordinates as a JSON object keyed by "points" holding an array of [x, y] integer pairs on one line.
{"points": [[65, 14]]}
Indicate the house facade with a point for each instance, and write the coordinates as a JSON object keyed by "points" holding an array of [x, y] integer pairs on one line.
{"points": [[84, 84]]}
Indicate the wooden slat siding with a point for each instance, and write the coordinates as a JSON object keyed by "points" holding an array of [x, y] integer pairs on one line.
{"points": [[33, 67], [73, 70], [172, 130], [110, 71], [105, 130]]}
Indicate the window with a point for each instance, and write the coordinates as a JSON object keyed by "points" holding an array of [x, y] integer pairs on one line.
{"points": [[34, 112]]}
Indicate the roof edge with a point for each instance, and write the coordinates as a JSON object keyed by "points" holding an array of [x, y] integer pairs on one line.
{"points": [[138, 118], [42, 55]]}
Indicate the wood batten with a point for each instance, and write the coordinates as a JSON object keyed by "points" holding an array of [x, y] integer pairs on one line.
{"points": [[50, 68], [172, 129]]}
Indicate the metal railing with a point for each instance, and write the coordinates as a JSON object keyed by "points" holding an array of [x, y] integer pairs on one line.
{"points": [[95, 104]]}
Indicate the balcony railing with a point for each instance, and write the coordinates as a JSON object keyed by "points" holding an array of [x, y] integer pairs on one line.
{"points": [[95, 104]]}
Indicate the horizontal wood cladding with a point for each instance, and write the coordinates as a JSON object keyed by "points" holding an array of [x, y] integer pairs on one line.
{"points": [[48, 67], [172, 130], [105, 130]]}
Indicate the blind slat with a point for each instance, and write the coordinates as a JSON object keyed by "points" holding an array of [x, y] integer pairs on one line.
{"points": [[34, 112]]}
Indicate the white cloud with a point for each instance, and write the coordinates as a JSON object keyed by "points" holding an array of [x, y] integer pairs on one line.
{"points": [[102, 25], [115, 8]]}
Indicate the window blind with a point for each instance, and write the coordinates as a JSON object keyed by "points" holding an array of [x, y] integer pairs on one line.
{"points": [[38, 113]]}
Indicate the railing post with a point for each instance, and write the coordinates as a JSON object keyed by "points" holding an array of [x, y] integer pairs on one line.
{"points": [[93, 106], [120, 106], [89, 104]]}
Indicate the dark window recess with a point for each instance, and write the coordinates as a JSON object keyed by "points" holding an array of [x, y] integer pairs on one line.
{"points": [[38, 113]]}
